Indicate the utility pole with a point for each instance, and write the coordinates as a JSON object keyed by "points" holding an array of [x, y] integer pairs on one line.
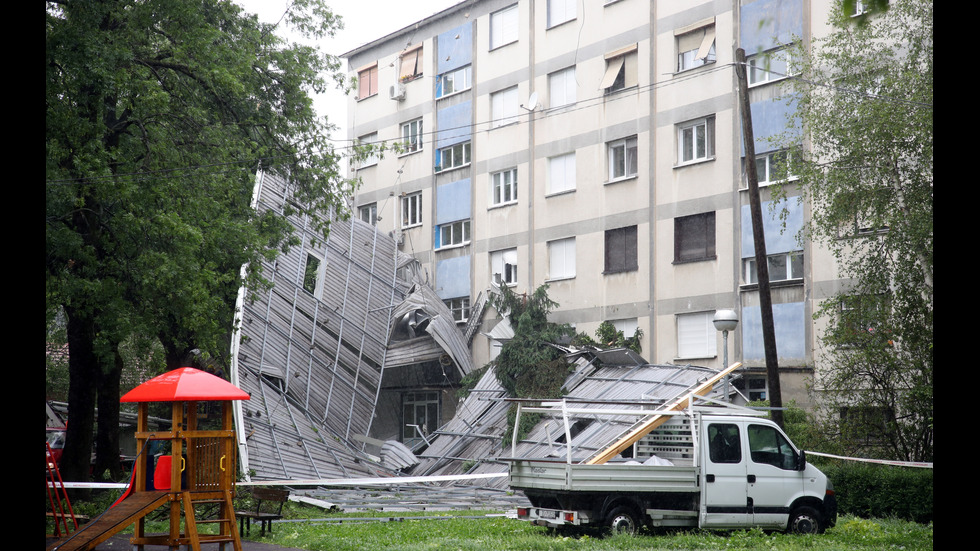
{"points": [[758, 235]]}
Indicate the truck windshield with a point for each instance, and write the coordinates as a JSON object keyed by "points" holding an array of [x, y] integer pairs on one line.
{"points": [[769, 446]]}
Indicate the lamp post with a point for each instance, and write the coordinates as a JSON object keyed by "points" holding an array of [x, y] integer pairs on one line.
{"points": [[725, 321]]}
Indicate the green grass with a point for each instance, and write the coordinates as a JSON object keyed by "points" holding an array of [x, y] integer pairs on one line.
{"points": [[502, 534]]}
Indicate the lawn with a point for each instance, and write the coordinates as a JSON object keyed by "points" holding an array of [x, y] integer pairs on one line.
{"points": [[470, 531]]}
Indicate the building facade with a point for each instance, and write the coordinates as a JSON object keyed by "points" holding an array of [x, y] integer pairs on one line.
{"points": [[596, 147]]}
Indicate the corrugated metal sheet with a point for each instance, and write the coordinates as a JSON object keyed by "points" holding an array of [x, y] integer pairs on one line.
{"points": [[313, 365], [475, 437]]}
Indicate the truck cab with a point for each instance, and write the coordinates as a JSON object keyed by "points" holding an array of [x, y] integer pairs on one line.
{"points": [[753, 475]]}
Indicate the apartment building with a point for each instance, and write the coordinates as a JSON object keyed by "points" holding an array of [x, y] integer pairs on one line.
{"points": [[595, 147]]}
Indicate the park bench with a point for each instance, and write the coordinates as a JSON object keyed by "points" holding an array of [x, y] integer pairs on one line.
{"points": [[268, 507]]}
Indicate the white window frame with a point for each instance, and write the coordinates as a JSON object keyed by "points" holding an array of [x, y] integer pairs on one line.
{"points": [[427, 401], [503, 263], [454, 234], [623, 161], [370, 160], [561, 173], [561, 259], [503, 187], [504, 107], [695, 48], [368, 213], [561, 88], [320, 270], [765, 169], [460, 308], [411, 133], [696, 335], [561, 11], [411, 210], [503, 27], [687, 135], [782, 267], [459, 80], [770, 66], [458, 155]]}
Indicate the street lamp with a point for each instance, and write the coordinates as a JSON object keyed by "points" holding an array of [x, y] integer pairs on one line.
{"points": [[725, 321]]}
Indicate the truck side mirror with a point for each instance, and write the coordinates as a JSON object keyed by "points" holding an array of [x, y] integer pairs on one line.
{"points": [[801, 461]]}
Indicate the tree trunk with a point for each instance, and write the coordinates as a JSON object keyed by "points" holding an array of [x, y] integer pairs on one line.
{"points": [[82, 370], [107, 435]]}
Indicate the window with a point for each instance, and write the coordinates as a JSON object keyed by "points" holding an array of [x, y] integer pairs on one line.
{"points": [[454, 156], [460, 307], [503, 27], [620, 255], [453, 234], [694, 237], [724, 443], [782, 266], [367, 81], [696, 335], [503, 267], [769, 66], [369, 213], [621, 70], [772, 167], [503, 107], [412, 210], [313, 274], [560, 11], [860, 316], [503, 187], [454, 81], [420, 416], [371, 158], [753, 386], [769, 447], [866, 425], [696, 140], [561, 173], [561, 258], [622, 158], [561, 87], [696, 48], [412, 136], [410, 65]]}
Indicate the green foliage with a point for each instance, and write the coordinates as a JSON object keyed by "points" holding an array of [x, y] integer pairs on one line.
{"points": [[864, 107], [883, 491], [607, 336], [158, 114]]}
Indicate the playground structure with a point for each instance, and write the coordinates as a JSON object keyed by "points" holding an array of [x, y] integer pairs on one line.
{"points": [[200, 470]]}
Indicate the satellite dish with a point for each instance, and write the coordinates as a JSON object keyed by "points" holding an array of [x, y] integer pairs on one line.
{"points": [[532, 102]]}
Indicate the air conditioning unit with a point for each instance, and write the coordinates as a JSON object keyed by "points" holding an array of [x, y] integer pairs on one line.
{"points": [[396, 92]]}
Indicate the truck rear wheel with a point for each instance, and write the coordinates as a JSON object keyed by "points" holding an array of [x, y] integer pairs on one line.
{"points": [[805, 520], [623, 520]]}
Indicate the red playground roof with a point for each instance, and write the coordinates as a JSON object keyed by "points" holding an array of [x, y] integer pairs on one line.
{"points": [[185, 384]]}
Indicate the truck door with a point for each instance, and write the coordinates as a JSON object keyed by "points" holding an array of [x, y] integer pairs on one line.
{"points": [[725, 482], [772, 475]]}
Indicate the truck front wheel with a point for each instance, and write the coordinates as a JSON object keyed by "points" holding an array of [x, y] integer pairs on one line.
{"points": [[623, 520], [805, 520]]}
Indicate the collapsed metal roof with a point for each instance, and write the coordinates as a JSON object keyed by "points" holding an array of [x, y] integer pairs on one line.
{"points": [[313, 364], [612, 379]]}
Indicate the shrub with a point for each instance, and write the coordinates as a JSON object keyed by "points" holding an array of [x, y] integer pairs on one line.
{"points": [[881, 491]]}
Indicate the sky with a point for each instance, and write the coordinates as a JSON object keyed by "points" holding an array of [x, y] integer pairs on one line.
{"points": [[364, 21]]}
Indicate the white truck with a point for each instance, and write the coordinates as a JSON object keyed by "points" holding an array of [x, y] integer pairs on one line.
{"points": [[704, 467]]}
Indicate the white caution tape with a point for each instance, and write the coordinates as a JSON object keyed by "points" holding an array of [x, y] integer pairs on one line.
{"points": [[881, 461], [314, 482]]}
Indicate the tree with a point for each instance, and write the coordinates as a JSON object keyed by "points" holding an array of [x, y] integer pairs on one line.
{"points": [[866, 167], [158, 113]]}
